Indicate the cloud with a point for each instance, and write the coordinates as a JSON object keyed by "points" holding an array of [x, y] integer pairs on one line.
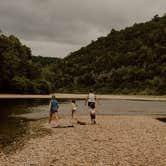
{"points": [[51, 49], [68, 24]]}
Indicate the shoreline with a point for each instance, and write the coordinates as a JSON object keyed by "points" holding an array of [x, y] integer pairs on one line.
{"points": [[115, 140], [83, 96]]}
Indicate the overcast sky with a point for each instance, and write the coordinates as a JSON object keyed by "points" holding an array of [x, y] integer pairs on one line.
{"points": [[58, 27]]}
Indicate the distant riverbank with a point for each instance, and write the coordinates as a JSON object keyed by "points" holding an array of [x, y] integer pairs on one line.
{"points": [[82, 96]]}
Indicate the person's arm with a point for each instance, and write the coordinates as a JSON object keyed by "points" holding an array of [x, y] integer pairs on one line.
{"points": [[72, 106], [96, 99], [57, 105], [75, 105], [49, 106], [86, 100]]}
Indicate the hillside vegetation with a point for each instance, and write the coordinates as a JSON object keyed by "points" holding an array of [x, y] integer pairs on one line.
{"points": [[132, 60], [20, 72], [129, 61]]}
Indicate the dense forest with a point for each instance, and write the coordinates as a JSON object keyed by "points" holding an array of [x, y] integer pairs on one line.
{"points": [[20, 71], [129, 61]]}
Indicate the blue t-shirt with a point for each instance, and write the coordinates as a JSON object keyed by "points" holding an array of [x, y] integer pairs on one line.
{"points": [[54, 105]]}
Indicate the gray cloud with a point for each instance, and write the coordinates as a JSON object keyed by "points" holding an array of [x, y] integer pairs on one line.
{"points": [[52, 49], [69, 24]]}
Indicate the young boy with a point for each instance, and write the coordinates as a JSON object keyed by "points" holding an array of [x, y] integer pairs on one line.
{"points": [[74, 108], [91, 100], [53, 108]]}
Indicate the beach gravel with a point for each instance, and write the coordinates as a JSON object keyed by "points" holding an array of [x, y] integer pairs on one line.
{"points": [[114, 141]]}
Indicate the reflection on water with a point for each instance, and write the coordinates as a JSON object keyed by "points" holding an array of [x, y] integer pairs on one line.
{"points": [[11, 126]]}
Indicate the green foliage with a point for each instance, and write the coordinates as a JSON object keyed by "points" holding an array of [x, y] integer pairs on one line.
{"points": [[43, 61], [129, 61], [21, 85], [132, 61], [42, 87], [14, 58], [20, 72]]}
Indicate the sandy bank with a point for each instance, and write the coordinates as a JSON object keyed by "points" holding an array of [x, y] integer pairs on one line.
{"points": [[82, 96], [115, 140]]}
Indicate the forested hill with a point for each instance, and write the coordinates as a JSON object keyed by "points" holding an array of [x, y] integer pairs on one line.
{"points": [[20, 72], [45, 61], [132, 60], [129, 61]]}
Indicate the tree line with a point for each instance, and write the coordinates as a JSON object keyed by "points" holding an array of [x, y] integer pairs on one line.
{"points": [[129, 61], [20, 71]]}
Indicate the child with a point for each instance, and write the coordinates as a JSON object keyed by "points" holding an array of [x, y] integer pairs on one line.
{"points": [[91, 99], [74, 108], [53, 108]]}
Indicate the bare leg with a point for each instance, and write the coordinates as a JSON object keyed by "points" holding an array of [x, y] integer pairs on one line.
{"points": [[56, 116], [91, 121], [72, 114], [93, 116], [50, 118]]}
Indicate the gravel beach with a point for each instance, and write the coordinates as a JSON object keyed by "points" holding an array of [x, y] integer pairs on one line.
{"points": [[115, 140]]}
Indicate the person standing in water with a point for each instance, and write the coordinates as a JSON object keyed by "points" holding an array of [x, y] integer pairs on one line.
{"points": [[91, 100], [53, 108]]}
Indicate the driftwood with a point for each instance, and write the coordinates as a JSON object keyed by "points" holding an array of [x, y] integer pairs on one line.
{"points": [[62, 126], [81, 123]]}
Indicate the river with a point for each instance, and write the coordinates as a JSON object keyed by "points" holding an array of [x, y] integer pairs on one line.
{"points": [[11, 126]]}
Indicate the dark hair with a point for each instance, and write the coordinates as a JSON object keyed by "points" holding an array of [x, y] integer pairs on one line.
{"points": [[73, 101], [53, 96], [91, 90]]}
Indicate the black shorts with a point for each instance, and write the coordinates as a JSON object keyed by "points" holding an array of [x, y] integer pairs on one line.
{"points": [[53, 111], [91, 105]]}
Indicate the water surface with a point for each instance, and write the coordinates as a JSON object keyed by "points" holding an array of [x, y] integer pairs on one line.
{"points": [[10, 126]]}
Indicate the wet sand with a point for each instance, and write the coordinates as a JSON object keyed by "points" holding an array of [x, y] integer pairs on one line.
{"points": [[82, 96], [115, 140]]}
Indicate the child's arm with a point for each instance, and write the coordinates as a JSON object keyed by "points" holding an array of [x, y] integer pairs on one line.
{"points": [[72, 105], [86, 100], [96, 99], [49, 106]]}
